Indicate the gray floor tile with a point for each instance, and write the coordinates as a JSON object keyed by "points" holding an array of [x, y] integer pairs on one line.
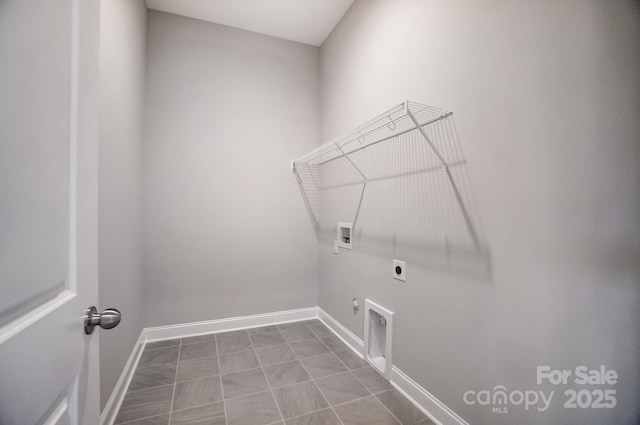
{"points": [[334, 343], [312, 347], [299, 399], [233, 345], [255, 409], [289, 325], [341, 388], [323, 417], [266, 339], [158, 356], [153, 376], [194, 351], [242, 383], [275, 354], [401, 408], [312, 322], [372, 380], [199, 339], [367, 411], [201, 367], [196, 393], [246, 390], [155, 420], [161, 344], [300, 333], [262, 329], [235, 362], [350, 359], [321, 330], [231, 334], [267, 330], [145, 403], [286, 374], [210, 414], [324, 365]]}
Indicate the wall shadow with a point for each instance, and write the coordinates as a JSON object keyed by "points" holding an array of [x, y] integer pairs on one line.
{"points": [[426, 212]]}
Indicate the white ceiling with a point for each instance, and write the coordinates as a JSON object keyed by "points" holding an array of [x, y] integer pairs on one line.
{"points": [[306, 21]]}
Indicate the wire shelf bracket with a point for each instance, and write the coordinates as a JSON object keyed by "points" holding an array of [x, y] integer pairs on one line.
{"points": [[397, 121]]}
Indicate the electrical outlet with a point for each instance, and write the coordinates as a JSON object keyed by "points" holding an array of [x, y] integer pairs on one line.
{"points": [[399, 270]]}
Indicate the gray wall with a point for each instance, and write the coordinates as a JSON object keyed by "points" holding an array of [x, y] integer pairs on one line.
{"points": [[225, 230], [546, 97], [122, 70]]}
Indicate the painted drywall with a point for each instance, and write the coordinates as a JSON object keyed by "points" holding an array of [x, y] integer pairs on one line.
{"points": [[545, 97], [225, 230], [122, 72]]}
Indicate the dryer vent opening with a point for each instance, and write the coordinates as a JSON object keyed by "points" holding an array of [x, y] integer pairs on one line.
{"points": [[379, 338]]}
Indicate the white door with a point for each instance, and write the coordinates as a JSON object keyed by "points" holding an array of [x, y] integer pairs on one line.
{"points": [[48, 219]]}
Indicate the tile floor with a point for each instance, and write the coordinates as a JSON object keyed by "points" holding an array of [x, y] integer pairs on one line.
{"points": [[295, 374]]}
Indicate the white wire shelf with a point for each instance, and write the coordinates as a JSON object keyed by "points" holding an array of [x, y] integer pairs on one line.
{"points": [[398, 120], [407, 121]]}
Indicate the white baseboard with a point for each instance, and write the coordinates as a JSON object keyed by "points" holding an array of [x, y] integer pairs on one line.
{"points": [[428, 404], [184, 330], [348, 337], [110, 411], [437, 411], [229, 324]]}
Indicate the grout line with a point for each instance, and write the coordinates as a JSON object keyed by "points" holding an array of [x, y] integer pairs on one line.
{"points": [[253, 393], [310, 377], [331, 407], [273, 396], [145, 389], [174, 384], [362, 383], [154, 365], [224, 404], [198, 405], [139, 366], [367, 388], [308, 413], [305, 358], [195, 343], [159, 348], [270, 388], [314, 383], [284, 386], [377, 399], [234, 352], [327, 401], [201, 376], [175, 378], [349, 370], [390, 412], [146, 349], [240, 371], [262, 367], [140, 419]]}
